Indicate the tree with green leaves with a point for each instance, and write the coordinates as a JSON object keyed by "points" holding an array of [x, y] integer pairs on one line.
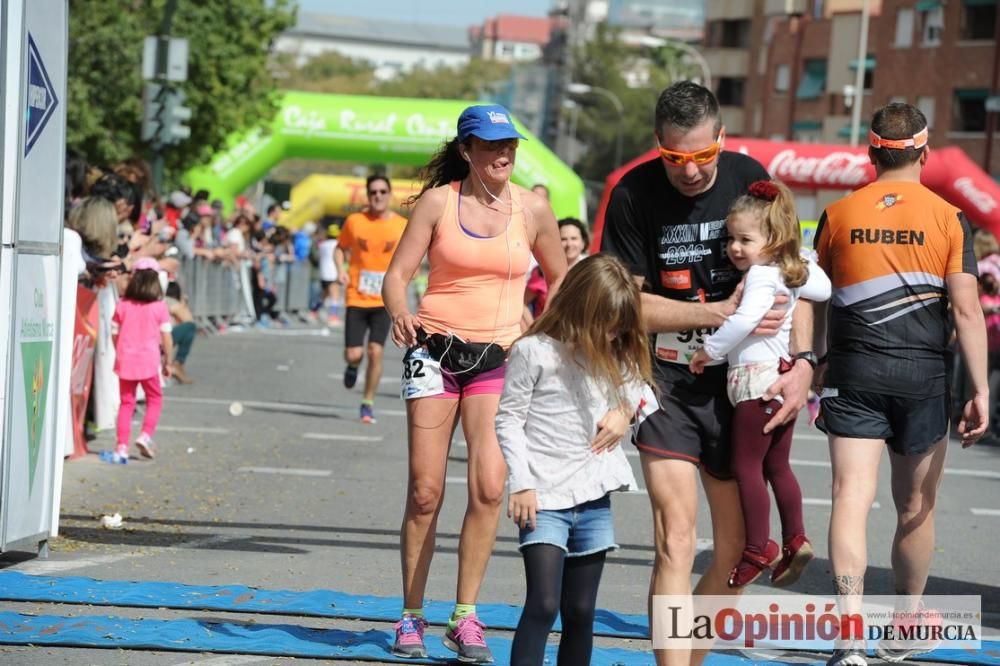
{"points": [[603, 61], [229, 86], [325, 73], [332, 72]]}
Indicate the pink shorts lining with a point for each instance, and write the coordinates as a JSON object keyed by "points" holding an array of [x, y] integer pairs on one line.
{"points": [[486, 383]]}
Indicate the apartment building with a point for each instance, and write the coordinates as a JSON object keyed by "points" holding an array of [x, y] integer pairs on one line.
{"points": [[392, 46], [785, 69]]}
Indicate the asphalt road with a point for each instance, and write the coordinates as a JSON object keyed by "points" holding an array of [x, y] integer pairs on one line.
{"points": [[296, 493]]}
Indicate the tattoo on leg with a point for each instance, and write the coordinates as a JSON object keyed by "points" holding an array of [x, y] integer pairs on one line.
{"points": [[848, 585]]}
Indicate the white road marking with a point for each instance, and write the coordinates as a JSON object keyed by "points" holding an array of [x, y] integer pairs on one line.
{"points": [[809, 463], [339, 376], [291, 471], [208, 431], [41, 567], [291, 333], [284, 406], [981, 473], [44, 567], [825, 501], [976, 511], [282, 368], [341, 438]]}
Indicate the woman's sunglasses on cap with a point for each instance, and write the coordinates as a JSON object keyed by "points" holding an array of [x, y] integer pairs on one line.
{"points": [[704, 156]]}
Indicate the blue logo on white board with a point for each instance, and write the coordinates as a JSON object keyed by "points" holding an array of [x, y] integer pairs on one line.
{"points": [[41, 97]]}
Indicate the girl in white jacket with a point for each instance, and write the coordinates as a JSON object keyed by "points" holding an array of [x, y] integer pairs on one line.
{"points": [[574, 383], [764, 241]]}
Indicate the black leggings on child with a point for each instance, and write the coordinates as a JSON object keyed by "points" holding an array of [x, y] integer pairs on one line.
{"points": [[557, 585]]}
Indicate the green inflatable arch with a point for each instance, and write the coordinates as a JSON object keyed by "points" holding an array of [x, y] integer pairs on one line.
{"points": [[369, 130]]}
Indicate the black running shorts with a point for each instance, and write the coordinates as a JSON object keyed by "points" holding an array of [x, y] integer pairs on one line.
{"points": [[374, 321], [910, 426], [692, 422]]}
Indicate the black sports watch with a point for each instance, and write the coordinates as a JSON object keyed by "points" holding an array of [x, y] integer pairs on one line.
{"points": [[807, 356]]}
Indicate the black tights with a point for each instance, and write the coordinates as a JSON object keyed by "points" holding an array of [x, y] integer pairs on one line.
{"points": [[561, 585]]}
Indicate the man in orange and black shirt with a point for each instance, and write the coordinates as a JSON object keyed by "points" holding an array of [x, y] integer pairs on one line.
{"points": [[367, 242], [897, 254]]}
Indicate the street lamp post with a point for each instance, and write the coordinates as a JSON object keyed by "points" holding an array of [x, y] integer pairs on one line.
{"points": [[859, 75], [583, 89]]}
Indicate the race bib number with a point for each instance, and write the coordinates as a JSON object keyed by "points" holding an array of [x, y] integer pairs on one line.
{"points": [[680, 346], [370, 283], [421, 375]]}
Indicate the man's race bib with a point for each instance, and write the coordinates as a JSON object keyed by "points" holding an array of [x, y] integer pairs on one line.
{"points": [[370, 283], [680, 346], [421, 375]]}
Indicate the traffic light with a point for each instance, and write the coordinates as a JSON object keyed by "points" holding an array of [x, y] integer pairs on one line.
{"points": [[164, 115], [152, 109], [175, 114]]}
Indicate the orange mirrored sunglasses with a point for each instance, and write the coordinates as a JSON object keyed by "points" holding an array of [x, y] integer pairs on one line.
{"points": [[704, 156]]}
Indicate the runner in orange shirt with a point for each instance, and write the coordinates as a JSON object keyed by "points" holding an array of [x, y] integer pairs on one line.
{"points": [[898, 255], [367, 241]]}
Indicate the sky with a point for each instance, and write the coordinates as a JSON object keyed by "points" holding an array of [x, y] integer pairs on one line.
{"points": [[442, 12]]}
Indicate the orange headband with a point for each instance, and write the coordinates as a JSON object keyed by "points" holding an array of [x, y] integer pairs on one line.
{"points": [[918, 141]]}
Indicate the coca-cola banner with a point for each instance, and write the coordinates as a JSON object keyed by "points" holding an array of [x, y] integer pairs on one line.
{"points": [[949, 172]]}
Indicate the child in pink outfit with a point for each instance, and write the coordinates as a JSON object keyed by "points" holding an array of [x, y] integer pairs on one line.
{"points": [[141, 326]]}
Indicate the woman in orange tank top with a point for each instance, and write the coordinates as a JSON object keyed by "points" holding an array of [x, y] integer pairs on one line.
{"points": [[477, 228]]}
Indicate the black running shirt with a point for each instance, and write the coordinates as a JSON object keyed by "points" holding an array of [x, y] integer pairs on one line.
{"points": [[675, 242]]}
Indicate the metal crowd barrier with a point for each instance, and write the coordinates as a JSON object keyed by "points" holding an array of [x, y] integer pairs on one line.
{"points": [[215, 289]]}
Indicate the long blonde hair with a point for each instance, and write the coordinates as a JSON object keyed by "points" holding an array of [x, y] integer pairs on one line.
{"points": [[772, 203], [598, 296], [96, 220]]}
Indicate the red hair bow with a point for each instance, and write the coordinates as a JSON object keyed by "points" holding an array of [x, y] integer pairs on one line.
{"points": [[764, 189]]}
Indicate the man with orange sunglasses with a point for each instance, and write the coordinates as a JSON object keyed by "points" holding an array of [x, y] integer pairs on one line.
{"points": [[666, 221]]}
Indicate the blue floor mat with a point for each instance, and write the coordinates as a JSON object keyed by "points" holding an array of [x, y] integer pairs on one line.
{"points": [[16, 586], [266, 639]]}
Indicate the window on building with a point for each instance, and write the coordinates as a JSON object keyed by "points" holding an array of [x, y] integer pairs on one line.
{"points": [[869, 70], [904, 27], [505, 50], [897, 99], [968, 110], [813, 80], [845, 131], [807, 131], [782, 78], [730, 91], [926, 106], [978, 19], [735, 34], [931, 21]]}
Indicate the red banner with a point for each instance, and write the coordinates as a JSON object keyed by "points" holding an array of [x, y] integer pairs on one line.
{"points": [[84, 343], [949, 173]]}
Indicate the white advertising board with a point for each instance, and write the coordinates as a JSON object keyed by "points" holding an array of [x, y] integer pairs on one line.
{"points": [[29, 454], [43, 141]]}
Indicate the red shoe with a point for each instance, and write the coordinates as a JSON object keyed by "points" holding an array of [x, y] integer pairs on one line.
{"points": [[794, 557], [752, 565]]}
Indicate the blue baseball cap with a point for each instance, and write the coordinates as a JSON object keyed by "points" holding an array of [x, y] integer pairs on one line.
{"points": [[489, 122]]}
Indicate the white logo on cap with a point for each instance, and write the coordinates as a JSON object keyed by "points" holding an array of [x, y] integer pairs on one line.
{"points": [[497, 117]]}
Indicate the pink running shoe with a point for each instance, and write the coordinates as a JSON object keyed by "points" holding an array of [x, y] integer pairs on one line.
{"points": [[468, 639], [410, 637], [813, 405], [146, 446]]}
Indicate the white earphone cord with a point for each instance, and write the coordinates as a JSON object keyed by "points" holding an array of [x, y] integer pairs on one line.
{"points": [[510, 271]]}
